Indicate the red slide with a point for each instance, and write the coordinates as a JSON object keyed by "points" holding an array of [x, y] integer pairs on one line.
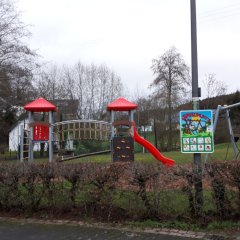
{"points": [[153, 150]]}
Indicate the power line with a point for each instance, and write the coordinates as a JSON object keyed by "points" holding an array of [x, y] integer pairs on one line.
{"points": [[218, 18], [220, 13], [219, 10], [226, 13]]}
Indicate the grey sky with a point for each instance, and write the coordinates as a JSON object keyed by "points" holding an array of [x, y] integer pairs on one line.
{"points": [[127, 34]]}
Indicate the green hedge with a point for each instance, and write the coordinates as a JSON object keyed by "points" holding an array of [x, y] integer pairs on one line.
{"points": [[121, 191]]}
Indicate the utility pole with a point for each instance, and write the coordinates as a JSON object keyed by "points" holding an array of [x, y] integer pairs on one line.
{"points": [[195, 101]]}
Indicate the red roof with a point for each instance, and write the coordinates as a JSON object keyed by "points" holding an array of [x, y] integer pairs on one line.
{"points": [[40, 105], [121, 104]]}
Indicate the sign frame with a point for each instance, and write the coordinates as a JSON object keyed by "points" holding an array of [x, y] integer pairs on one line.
{"points": [[196, 131]]}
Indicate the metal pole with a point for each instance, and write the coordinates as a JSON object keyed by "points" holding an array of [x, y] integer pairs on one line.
{"points": [[219, 107], [21, 142], [50, 150], [195, 96], [131, 120], [112, 127], [231, 106], [195, 99], [112, 132], [30, 137], [235, 149]]}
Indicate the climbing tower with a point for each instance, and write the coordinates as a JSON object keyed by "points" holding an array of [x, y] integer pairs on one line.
{"points": [[40, 131], [122, 140]]}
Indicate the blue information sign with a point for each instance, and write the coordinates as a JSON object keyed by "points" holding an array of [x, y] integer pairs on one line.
{"points": [[196, 131]]}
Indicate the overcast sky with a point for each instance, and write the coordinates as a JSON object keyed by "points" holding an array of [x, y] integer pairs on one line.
{"points": [[127, 34]]}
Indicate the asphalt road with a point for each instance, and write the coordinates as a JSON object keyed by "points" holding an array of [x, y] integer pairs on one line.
{"points": [[27, 231]]}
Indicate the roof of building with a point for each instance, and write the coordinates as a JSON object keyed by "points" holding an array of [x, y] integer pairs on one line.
{"points": [[40, 105], [121, 104]]}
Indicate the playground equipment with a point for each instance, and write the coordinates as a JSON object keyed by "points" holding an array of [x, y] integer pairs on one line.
{"points": [[66, 132], [122, 133], [38, 131], [60, 134], [81, 129], [152, 149], [233, 139], [122, 142], [24, 143]]}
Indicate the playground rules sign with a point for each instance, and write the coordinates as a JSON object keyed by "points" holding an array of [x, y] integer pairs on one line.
{"points": [[196, 130]]}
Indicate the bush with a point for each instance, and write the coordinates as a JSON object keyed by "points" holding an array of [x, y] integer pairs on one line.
{"points": [[121, 191]]}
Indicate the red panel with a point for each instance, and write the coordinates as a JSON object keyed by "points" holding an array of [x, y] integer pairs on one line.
{"points": [[40, 133]]}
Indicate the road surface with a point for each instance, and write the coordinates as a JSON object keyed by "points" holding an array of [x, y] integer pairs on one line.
{"points": [[28, 231]]}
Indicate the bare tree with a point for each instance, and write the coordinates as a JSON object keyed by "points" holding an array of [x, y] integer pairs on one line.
{"points": [[104, 76], [213, 87], [92, 79], [92, 86], [96, 87], [172, 78], [143, 115], [16, 58], [49, 83], [17, 62], [80, 83]]}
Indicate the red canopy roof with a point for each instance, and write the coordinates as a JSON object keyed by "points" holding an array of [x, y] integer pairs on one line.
{"points": [[40, 105], [121, 104]]}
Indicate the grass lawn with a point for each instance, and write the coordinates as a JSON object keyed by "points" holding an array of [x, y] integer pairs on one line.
{"points": [[222, 152]]}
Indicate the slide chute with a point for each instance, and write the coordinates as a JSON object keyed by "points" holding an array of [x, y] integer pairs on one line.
{"points": [[151, 148]]}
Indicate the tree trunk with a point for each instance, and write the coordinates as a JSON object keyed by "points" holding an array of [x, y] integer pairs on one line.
{"points": [[169, 144], [155, 133]]}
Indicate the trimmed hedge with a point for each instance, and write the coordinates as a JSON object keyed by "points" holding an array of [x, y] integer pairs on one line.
{"points": [[121, 191]]}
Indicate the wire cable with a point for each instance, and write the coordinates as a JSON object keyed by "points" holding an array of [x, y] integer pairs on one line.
{"points": [[220, 13]]}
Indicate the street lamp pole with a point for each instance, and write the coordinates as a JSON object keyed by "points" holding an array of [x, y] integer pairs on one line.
{"points": [[195, 95], [195, 101]]}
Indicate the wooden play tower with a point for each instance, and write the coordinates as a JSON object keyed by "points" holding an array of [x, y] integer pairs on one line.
{"points": [[122, 140]]}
